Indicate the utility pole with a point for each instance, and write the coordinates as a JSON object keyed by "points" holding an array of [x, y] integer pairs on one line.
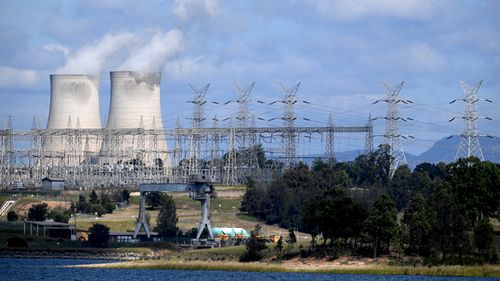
{"points": [[469, 143], [392, 135]]}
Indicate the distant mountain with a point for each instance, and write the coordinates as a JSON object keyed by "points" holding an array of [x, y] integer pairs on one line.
{"points": [[443, 150]]}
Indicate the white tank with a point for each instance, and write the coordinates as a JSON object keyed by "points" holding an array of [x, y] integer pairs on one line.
{"points": [[74, 103], [135, 103]]}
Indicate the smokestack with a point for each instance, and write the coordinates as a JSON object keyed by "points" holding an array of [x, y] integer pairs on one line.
{"points": [[74, 103], [135, 103]]}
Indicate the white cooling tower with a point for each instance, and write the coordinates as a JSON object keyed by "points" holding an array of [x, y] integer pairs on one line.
{"points": [[74, 97], [74, 103], [135, 103]]}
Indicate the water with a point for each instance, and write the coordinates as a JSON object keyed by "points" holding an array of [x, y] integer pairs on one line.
{"points": [[51, 269]]}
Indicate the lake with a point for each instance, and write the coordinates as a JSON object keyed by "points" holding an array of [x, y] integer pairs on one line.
{"points": [[52, 269]]}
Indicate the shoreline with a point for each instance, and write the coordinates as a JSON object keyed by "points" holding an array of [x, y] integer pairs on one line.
{"points": [[319, 267]]}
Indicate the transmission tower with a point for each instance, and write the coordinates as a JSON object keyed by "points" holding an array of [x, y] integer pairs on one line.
{"points": [[330, 141], [198, 118], [289, 117], [469, 142], [369, 136], [392, 135]]}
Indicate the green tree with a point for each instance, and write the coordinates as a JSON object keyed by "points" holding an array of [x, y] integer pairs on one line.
{"points": [[418, 221], [254, 246], [483, 235], [125, 195], [291, 240], [312, 217], [107, 203], [153, 199], [82, 206], [58, 214], [399, 187], [98, 235], [12, 216], [38, 212], [252, 199], [167, 217], [93, 197], [381, 224]]}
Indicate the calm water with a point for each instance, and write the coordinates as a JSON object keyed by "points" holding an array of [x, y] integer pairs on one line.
{"points": [[41, 269]]}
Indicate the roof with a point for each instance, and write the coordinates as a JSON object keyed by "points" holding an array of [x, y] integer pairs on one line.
{"points": [[53, 179]]}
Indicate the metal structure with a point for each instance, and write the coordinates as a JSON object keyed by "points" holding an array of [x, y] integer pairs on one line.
{"points": [[28, 163], [132, 148], [392, 135], [469, 143], [200, 188]]}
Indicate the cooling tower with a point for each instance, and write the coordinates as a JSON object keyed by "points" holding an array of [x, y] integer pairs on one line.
{"points": [[135, 103], [74, 103]]}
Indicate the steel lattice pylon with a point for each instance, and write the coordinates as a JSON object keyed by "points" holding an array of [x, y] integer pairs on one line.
{"points": [[289, 117], [198, 118], [469, 142], [392, 135]]}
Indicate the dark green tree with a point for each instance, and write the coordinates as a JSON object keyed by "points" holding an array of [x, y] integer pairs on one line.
{"points": [[312, 217], [399, 187], [252, 199], [418, 221], [153, 199], [107, 203], [93, 197], [125, 195], [381, 224], [291, 240], [12, 216], [82, 206], [254, 246], [38, 212], [99, 235], [58, 214], [483, 235], [167, 217]]}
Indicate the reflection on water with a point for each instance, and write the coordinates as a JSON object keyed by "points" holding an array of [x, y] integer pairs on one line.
{"points": [[52, 269]]}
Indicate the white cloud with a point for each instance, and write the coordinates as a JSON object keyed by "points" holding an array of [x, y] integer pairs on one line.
{"points": [[187, 9], [17, 78], [152, 55], [350, 10], [91, 59], [56, 48], [420, 56]]}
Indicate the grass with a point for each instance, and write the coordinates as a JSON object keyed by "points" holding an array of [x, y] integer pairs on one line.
{"points": [[483, 271]]}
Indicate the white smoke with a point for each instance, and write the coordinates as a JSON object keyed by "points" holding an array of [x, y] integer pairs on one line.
{"points": [[91, 59], [151, 56], [125, 51]]}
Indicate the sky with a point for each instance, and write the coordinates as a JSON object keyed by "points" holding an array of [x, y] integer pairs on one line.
{"points": [[342, 53]]}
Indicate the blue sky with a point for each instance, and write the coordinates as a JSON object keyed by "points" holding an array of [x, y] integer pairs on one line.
{"points": [[340, 51]]}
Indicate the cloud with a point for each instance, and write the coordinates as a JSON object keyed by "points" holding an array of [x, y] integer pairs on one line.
{"points": [[91, 59], [188, 9], [17, 78], [352, 10], [56, 48], [152, 56], [421, 57]]}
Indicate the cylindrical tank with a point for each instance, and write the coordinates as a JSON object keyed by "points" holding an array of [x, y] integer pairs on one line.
{"points": [[135, 103], [74, 103]]}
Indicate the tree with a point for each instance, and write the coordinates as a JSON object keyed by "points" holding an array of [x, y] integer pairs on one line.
{"points": [[254, 246], [381, 224], [38, 212], [167, 217], [399, 187], [311, 219], [98, 235], [93, 197], [12, 216], [153, 199], [82, 206], [483, 235], [252, 199], [58, 214], [418, 221], [107, 203], [292, 239], [125, 195]]}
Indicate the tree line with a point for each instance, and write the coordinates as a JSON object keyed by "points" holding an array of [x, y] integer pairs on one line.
{"points": [[444, 209]]}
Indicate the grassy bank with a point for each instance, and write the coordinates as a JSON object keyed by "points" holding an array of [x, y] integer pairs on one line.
{"points": [[321, 267]]}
